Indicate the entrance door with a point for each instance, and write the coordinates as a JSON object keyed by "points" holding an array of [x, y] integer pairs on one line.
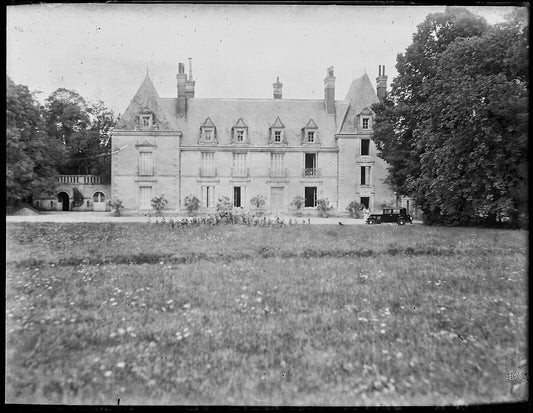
{"points": [[276, 200], [64, 200]]}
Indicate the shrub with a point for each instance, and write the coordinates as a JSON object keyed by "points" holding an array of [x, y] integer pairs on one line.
{"points": [[78, 197], [117, 206], [258, 201], [224, 206], [192, 204], [159, 203], [323, 206], [355, 209], [298, 202]]}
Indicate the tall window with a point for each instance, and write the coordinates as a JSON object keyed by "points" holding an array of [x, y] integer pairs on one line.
{"points": [[310, 136], [237, 196], [277, 136], [276, 164], [240, 167], [366, 123], [310, 165], [146, 163], [365, 175], [208, 163], [365, 201], [365, 146], [145, 197], [208, 196], [310, 196]]}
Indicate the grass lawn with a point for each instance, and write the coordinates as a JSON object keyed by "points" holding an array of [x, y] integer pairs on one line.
{"points": [[304, 315]]}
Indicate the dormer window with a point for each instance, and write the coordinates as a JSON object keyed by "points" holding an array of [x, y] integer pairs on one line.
{"points": [[208, 132], [146, 121], [239, 133], [277, 133], [310, 133], [366, 122]]}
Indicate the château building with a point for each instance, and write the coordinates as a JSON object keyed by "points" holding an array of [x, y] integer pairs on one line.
{"points": [[239, 148]]}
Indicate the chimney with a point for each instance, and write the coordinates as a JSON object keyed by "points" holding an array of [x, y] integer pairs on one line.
{"points": [[189, 86], [182, 98], [277, 89], [381, 84], [329, 92]]}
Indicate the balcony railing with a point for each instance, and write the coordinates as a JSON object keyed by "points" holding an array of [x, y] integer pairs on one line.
{"points": [[240, 172], [145, 171], [278, 172], [311, 172], [205, 172], [78, 179]]}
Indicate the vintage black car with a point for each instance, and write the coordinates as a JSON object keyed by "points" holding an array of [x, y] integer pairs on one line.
{"points": [[395, 215]]}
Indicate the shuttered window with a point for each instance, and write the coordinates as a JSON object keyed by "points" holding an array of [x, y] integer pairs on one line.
{"points": [[208, 196]]}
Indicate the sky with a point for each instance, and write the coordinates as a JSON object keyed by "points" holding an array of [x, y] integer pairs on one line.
{"points": [[103, 51]]}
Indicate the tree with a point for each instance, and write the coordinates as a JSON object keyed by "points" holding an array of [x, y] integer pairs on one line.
{"points": [[454, 127], [397, 116], [31, 157], [473, 130]]}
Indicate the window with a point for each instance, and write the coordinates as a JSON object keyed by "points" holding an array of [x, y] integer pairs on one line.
{"points": [[146, 121], [365, 146], [277, 136], [365, 201], [99, 197], [239, 164], [310, 136], [208, 196], [145, 197], [146, 163], [240, 136], [276, 164], [237, 196], [365, 123], [310, 196], [310, 168], [365, 175], [208, 164], [208, 135]]}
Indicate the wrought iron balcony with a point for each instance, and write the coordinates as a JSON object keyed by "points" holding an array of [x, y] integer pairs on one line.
{"points": [[311, 172], [207, 172], [278, 172], [240, 172]]}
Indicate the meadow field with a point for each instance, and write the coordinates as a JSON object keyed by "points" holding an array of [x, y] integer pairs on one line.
{"points": [[229, 315]]}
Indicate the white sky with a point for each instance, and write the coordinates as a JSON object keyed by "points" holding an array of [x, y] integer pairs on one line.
{"points": [[102, 51]]}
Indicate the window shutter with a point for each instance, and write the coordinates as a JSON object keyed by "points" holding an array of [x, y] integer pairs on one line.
{"points": [[204, 196]]}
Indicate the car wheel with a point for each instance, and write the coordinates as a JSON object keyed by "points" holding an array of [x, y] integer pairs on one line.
{"points": [[401, 221], [370, 221]]}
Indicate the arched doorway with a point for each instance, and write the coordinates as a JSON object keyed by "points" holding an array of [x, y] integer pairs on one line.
{"points": [[64, 199], [98, 201]]}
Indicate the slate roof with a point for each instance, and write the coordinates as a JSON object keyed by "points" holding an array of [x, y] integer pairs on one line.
{"points": [[257, 114]]}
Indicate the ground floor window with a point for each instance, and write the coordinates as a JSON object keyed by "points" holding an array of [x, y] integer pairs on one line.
{"points": [[365, 200], [145, 197], [98, 197], [310, 196], [208, 196], [237, 196]]}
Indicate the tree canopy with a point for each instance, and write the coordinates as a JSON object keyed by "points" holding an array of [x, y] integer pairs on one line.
{"points": [[65, 136], [454, 127]]}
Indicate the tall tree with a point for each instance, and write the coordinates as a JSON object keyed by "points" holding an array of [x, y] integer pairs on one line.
{"points": [[473, 129], [454, 129], [397, 117], [31, 156]]}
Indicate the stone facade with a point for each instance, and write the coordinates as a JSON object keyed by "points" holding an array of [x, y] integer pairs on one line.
{"points": [[239, 148]]}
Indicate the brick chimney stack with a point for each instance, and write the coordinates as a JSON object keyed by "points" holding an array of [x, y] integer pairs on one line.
{"points": [[381, 84], [189, 86], [182, 98], [329, 92], [277, 89]]}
